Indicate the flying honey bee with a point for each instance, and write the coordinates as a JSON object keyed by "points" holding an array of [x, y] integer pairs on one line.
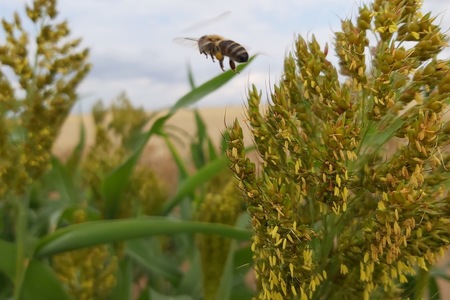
{"points": [[219, 47]]}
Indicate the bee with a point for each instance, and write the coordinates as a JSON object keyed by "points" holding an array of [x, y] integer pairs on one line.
{"points": [[219, 47]]}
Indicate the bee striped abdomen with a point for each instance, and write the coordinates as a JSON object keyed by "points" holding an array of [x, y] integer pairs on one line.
{"points": [[217, 47], [233, 50]]}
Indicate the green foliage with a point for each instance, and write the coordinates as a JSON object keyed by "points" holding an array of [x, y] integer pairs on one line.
{"points": [[31, 115], [116, 128], [336, 214], [48, 77], [99, 224], [222, 204]]}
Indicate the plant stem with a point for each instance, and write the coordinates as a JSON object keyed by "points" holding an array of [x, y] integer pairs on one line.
{"points": [[176, 156], [422, 279], [21, 234]]}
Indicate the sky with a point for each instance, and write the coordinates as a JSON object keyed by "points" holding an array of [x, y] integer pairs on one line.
{"points": [[132, 47]]}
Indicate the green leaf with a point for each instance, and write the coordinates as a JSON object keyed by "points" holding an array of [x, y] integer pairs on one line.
{"points": [[197, 147], [212, 153], [143, 254], [192, 283], [203, 142], [74, 159], [422, 280], [226, 280], [242, 260], [154, 295], [40, 283], [190, 77], [109, 231], [433, 289], [63, 181], [133, 140], [7, 258], [116, 182], [182, 168], [123, 288], [208, 87], [201, 176], [379, 133]]}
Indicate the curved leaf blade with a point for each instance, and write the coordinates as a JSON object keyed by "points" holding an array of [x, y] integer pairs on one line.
{"points": [[192, 182], [40, 283], [109, 231]]}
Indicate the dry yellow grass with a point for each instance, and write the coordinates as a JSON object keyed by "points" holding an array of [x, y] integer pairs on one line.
{"points": [[156, 155], [215, 118]]}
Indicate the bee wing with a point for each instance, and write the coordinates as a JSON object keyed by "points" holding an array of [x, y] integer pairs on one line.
{"points": [[186, 41], [203, 23]]}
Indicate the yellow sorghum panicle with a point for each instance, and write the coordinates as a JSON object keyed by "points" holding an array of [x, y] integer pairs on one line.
{"points": [[351, 171], [222, 204], [32, 113], [88, 273]]}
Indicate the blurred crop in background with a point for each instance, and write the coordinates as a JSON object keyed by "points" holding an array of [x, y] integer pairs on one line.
{"points": [[345, 197]]}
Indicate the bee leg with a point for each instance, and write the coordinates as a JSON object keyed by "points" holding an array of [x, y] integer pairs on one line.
{"points": [[212, 56], [221, 64], [233, 66]]}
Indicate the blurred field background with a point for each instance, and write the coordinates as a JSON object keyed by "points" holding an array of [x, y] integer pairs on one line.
{"points": [[156, 155]]}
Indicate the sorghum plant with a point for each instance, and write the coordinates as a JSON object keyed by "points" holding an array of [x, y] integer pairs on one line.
{"points": [[114, 128], [38, 81], [221, 204], [47, 71], [350, 195], [88, 273]]}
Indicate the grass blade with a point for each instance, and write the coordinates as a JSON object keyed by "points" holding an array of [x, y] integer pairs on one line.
{"points": [[190, 77], [8, 258], [208, 87], [190, 184], [124, 286], [75, 157], [433, 289], [141, 253], [40, 283], [191, 283], [108, 231]]}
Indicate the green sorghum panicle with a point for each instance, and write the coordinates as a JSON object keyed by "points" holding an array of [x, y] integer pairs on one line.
{"points": [[222, 204], [350, 194]]}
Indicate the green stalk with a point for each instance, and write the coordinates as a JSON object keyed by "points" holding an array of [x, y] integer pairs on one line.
{"points": [[422, 279], [176, 156], [21, 234]]}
